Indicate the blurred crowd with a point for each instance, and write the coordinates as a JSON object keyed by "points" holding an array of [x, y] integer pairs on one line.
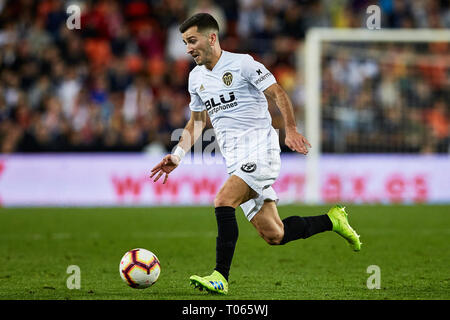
{"points": [[386, 98], [119, 83]]}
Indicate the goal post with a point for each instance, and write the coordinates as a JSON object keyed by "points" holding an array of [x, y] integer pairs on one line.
{"points": [[309, 60]]}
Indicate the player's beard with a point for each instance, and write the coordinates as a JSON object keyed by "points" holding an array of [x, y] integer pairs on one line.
{"points": [[205, 56]]}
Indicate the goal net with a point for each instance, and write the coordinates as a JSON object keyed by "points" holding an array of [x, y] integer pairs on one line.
{"points": [[374, 92]]}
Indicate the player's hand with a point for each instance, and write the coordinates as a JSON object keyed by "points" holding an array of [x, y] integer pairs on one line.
{"points": [[166, 166], [297, 142]]}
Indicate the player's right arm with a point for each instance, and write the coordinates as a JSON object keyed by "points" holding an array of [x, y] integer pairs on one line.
{"points": [[191, 132]]}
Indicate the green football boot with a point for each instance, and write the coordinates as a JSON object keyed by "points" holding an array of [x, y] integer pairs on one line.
{"points": [[215, 283], [338, 217]]}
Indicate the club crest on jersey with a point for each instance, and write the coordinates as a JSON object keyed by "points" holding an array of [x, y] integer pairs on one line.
{"points": [[227, 78], [248, 167]]}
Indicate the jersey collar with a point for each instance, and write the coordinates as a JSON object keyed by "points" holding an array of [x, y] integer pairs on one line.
{"points": [[218, 62]]}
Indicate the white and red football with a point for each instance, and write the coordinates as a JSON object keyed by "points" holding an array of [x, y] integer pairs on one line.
{"points": [[139, 268]]}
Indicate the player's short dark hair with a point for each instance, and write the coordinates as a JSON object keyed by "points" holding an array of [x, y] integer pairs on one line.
{"points": [[203, 21]]}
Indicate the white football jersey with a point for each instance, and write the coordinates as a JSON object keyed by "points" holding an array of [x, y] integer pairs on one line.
{"points": [[232, 94]]}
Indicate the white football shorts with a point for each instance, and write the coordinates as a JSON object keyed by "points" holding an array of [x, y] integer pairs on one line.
{"points": [[259, 175]]}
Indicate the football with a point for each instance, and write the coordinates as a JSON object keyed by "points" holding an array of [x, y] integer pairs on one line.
{"points": [[139, 268]]}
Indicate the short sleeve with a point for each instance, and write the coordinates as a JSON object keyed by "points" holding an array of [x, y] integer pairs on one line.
{"points": [[196, 103], [256, 73]]}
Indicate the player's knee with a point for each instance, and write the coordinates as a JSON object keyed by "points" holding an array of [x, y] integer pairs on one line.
{"points": [[273, 237], [220, 201]]}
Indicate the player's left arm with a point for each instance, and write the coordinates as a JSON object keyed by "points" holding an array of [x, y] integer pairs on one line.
{"points": [[294, 140]]}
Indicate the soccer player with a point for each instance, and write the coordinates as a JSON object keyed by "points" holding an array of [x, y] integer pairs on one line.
{"points": [[231, 89]]}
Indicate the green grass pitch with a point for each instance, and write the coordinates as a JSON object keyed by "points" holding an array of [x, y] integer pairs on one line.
{"points": [[410, 245]]}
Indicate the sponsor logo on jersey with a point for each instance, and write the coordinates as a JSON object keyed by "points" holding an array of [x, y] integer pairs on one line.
{"points": [[225, 103], [248, 167], [264, 77], [227, 78], [259, 72]]}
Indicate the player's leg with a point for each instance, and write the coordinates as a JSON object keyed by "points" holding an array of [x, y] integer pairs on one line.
{"points": [[276, 231], [268, 223], [233, 193]]}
